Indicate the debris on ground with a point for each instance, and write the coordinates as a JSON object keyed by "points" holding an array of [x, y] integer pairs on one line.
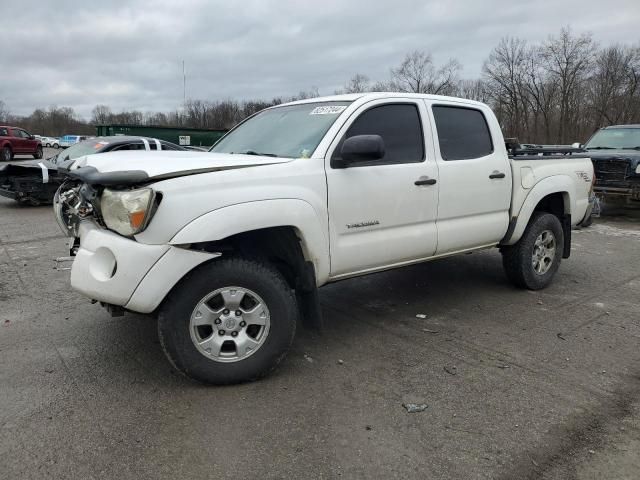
{"points": [[340, 362], [503, 366], [308, 358], [435, 332], [540, 302], [559, 335], [451, 370], [368, 427], [421, 315], [415, 407]]}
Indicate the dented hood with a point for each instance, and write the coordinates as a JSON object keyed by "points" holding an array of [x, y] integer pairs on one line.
{"points": [[126, 168]]}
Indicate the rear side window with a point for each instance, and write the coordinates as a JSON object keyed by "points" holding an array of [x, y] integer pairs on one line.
{"points": [[400, 128], [4, 132], [463, 133]]}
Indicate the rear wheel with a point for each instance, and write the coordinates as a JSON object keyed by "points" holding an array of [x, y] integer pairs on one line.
{"points": [[38, 153], [230, 321], [7, 154], [533, 261], [56, 146]]}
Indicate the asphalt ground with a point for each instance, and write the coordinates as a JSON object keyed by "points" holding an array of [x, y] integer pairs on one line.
{"points": [[517, 384]]}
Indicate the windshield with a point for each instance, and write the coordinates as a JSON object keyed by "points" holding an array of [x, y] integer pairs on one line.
{"points": [[618, 138], [78, 150], [291, 131]]}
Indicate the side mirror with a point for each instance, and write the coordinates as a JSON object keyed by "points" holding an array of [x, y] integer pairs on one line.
{"points": [[360, 148], [32, 137], [576, 145]]}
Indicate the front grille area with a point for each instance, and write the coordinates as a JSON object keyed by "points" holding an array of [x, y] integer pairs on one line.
{"points": [[611, 170]]}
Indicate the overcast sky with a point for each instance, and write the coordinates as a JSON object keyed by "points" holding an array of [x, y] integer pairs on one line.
{"points": [[128, 54]]}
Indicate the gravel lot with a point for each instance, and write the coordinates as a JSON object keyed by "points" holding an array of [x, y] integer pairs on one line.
{"points": [[518, 384]]}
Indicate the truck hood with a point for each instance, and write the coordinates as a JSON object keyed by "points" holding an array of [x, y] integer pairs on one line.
{"points": [[128, 168]]}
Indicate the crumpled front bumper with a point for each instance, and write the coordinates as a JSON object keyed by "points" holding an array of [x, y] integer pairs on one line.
{"points": [[120, 271]]}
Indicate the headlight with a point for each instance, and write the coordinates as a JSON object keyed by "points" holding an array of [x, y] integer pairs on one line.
{"points": [[638, 169], [127, 212]]}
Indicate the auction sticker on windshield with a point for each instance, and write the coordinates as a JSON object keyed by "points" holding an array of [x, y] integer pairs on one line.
{"points": [[328, 110]]}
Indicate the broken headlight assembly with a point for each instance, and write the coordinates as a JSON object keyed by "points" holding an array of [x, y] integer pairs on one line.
{"points": [[127, 212], [71, 204]]}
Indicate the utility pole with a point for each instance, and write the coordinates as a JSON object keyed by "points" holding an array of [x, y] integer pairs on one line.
{"points": [[184, 86]]}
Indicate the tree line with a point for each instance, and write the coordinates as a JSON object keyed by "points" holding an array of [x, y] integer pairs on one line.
{"points": [[556, 92]]}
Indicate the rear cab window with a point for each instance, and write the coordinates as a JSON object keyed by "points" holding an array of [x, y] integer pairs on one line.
{"points": [[463, 132]]}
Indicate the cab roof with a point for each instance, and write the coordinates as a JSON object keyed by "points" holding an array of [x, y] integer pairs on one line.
{"points": [[352, 97]]}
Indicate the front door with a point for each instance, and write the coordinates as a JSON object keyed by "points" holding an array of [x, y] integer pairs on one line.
{"points": [[19, 141], [383, 212]]}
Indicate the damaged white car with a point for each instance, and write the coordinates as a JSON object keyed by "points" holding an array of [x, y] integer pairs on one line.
{"points": [[229, 248]]}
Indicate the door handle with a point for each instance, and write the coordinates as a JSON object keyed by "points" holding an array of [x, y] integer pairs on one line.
{"points": [[497, 174], [425, 181]]}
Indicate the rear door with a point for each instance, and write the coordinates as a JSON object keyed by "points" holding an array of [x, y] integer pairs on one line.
{"points": [[378, 215], [475, 176]]}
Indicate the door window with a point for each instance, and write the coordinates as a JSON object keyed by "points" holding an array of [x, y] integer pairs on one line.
{"points": [[463, 133], [400, 128]]}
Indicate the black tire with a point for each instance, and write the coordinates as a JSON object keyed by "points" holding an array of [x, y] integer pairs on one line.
{"points": [[56, 146], [38, 155], [7, 154], [517, 259], [175, 315]]}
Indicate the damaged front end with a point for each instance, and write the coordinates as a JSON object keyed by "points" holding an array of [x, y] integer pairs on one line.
{"points": [[617, 178], [112, 201], [30, 183]]}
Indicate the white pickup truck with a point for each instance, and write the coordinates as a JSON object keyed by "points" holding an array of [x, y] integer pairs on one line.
{"points": [[228, 248]]}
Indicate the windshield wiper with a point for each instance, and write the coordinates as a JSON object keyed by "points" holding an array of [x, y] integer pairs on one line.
{"points": [[600, 148], [631, 148], [261, 154]]}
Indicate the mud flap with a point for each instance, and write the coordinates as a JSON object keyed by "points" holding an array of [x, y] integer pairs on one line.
{"points": [[566, 230], [309, 299]]}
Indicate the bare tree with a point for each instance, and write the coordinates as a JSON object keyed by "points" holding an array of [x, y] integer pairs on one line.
{"points": [[101, 114], [417, 74], [359, 83], [614, 87], [504, 72], [568, 61]]}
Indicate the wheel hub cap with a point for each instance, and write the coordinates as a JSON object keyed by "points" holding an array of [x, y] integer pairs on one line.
{"points": [[230, 324], [544, 252]]}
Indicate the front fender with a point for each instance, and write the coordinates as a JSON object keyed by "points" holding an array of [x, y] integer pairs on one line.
{"points": [[555, 184], [244, 217]]}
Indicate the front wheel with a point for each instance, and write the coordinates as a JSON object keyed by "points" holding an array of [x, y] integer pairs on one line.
{"points": [[229, 321], [533, 261]]}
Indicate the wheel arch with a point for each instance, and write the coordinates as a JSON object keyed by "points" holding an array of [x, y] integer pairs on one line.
{"points": [[266, 223], [555, 195]]}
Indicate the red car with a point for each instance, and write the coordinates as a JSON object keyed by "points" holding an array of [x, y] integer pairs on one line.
{"points": [[16, 141]]}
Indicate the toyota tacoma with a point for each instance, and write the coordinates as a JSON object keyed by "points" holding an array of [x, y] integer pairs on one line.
{"points": [[229, 248]]}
